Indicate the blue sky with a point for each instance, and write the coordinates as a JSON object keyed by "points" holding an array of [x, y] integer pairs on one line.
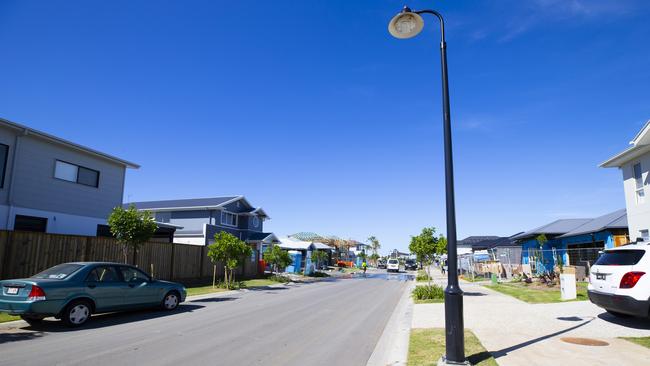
{"points": [[312, 110]]}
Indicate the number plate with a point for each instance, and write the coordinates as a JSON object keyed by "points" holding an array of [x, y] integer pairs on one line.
{"points": [[601, 276], [12, 290]]}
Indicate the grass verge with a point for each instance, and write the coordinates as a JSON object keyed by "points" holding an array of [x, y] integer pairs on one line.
{"points": [[208, 289], [641, 341], [426, 346], [537, 294], [4, 317]]}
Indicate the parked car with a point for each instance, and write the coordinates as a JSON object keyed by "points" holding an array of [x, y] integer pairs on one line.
{"points": [[73, 291], [381, 264], [411, 265], [619, 281], [392, 265]]}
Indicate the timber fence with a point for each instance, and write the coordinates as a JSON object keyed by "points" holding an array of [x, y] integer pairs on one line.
{"points": [[23, 254]]}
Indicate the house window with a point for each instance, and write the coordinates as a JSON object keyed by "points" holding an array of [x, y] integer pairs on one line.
{"points": [[638, 182], [228, 218], [645, 235], [4, 152], [76, 174], [30, 223], [256, 221]]}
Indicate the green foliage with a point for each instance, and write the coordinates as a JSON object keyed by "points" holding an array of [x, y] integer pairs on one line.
{"points": [[422, 276], [428, 292], [280, 278], [426, 245], [229, 250], [374, 244], [318, 274], [318, 257], [541, 240], [277, 258], [131, 228]]}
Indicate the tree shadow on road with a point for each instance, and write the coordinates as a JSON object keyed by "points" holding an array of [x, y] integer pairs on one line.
{"points": [[215, 299], [18, 336], [109, 319]]}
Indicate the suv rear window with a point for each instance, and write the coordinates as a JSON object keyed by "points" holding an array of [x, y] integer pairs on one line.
{"points": [[393, 261], [620, 258]]}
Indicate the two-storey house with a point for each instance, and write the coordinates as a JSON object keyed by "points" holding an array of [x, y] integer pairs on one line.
{"points": [[634, 163], [202, 218], [48, 184]]}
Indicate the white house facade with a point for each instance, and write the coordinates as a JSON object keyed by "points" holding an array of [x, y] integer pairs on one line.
{"points": [[634, 163]]}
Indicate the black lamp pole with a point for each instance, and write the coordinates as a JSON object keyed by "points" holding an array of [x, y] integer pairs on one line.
{"points": [[454, 325]]}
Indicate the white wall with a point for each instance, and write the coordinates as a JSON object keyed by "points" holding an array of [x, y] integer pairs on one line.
{"points": [[638, 214], [57, 222], [190, 240]]}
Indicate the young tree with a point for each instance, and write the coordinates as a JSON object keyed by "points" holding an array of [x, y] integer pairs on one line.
{"points": [[375, 246], [425, 247], [318, 256], [277, 258], [131, 228], [229, 250]]}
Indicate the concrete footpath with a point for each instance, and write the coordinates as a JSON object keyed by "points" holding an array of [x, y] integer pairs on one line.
{"points": [[518, 333]]}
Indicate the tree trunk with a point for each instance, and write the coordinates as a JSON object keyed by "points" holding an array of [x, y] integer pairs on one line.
{"points": [[214, 275], [225, 275]]}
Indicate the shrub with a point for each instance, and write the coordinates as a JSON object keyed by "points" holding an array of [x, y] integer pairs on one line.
{"points": [[433, 292], [280, 278], [422, 276]]}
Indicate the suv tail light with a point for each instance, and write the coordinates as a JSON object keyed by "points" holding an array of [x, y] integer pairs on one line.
{"points": [[630, 279], [36, 294]]}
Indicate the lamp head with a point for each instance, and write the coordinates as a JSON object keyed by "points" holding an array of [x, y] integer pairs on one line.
{"points": [[406, 24]]}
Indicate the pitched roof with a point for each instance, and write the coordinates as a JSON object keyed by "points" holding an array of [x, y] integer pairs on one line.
{"points": [[70, 144], [290, 243], [262, 236], [557, 227], [306, 235], [191, 204], [475, 239], [612, 220], [640, 145]]}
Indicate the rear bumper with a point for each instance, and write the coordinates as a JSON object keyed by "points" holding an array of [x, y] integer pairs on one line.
{"points": [[621, 304], [29, 307]]}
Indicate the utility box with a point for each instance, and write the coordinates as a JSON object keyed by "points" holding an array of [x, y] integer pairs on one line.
{"points": [[294, 267], [568, 286]]}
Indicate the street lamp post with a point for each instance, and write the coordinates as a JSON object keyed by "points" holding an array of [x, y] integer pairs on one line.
{"points": [[408, 23]]}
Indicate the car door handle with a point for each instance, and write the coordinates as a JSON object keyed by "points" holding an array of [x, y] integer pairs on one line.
{"points": [[131, 285], [90, 285]]}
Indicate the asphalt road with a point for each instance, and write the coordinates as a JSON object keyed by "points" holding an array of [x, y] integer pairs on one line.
{"points": [[335, 322]]}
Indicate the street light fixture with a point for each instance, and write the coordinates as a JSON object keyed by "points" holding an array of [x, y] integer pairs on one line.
{"points": [[407, 24]]}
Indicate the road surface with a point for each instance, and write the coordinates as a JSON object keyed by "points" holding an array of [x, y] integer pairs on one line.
{"points": [[334, 322]]}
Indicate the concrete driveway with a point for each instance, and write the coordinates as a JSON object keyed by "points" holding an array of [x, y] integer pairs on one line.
{"points": [[518, 333]]}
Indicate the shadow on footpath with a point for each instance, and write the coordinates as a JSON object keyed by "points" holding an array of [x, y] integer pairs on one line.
{"points": [[215, 299], [628, 322], [110, 319], [505, 351]]}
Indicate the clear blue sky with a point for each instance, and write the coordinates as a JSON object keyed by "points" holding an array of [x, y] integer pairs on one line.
{"points": [[311, 109]]}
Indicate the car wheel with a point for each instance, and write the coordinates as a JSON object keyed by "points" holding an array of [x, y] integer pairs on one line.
{"points": [[171, 301], [32, 320], [617, 314], [77, 313]]}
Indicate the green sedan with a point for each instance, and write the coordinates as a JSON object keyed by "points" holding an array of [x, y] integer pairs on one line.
{"points": [[73, 291]]}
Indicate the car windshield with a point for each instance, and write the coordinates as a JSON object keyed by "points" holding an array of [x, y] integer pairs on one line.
{"points": [[58, 272], [620, 258], [393, 261]]}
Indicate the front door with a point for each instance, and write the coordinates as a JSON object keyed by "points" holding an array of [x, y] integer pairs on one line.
{"points": [[105, 286], [140, 290]]}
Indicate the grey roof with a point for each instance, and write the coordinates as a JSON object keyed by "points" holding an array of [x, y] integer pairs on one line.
{"points": [[557, 227], [613, 220], [182, 203], [470, 240], [258, 236], [70, 144]]}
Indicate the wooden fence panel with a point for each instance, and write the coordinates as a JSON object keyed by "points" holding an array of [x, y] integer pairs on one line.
{"points": [[23, 254]]}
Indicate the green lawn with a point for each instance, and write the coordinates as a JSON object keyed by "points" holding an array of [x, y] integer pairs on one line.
{"points": [[642, 341], [476, 278], [429, 301], [207, 289], [426, 346], [4, 317], [537, 294]]}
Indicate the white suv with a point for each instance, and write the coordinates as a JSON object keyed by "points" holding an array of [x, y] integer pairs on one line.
{"points": [[619, 281], [392, 266]]}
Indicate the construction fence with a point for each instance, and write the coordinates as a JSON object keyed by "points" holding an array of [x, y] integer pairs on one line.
{"points": [[23, 254], [511, 261]]}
